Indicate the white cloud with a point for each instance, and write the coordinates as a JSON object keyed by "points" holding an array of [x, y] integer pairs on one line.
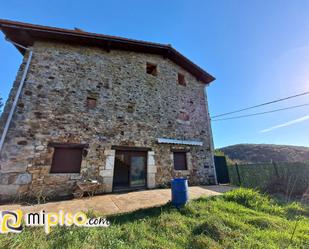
{"points": [[295, 121]]}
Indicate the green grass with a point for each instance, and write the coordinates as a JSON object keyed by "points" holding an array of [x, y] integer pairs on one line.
{"points": [[242, 218]]}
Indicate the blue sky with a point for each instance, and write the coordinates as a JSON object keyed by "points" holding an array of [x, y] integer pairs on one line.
{"points": [[257, 50]]}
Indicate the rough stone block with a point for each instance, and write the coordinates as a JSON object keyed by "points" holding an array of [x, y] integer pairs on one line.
{"points": [[4, 178], [75, 177], [40, 148], [108, 188], [108, 183], [150, 161], [55, 179], [108, 180], [151, 153], [106, 173], [13, 167], [23, 179], [23, 190], [109, 152], [110, 161], [152, 169], [151, 180], [9, 189]]}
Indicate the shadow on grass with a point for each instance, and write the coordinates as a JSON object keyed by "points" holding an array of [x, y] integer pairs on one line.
{"points": [[154, 212], [140, 214]]}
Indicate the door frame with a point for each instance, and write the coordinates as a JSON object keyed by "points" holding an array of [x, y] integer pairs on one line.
{"points": [[128, 152], [221, 170]]}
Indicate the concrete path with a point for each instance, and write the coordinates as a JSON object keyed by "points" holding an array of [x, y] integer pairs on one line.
{"points": [[119, 202]]}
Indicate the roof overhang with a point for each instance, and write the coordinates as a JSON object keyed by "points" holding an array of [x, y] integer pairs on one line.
{"points": [[26, 34]]}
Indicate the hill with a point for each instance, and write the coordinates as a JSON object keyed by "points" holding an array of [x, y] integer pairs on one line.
{"points": [[261, 153]]}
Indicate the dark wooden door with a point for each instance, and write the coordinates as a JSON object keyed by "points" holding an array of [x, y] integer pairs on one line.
{"points": [[130, 169], [221, 169]]}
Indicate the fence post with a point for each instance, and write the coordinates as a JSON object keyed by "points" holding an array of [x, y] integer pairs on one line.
{"points": [[276, 169], [238, 175]]}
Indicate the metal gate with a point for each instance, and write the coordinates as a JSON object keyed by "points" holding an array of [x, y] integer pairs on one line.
{"points": [[221, 169]]}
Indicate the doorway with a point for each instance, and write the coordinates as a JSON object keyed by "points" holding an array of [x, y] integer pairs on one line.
{"points": [[130, 170], [221, 170]]}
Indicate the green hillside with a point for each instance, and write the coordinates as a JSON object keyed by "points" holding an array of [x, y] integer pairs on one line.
{"points": [[262, 153]]}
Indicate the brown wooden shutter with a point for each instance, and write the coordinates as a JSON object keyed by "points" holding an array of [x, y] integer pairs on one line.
{"points": [[180, 161], [66, 160]]}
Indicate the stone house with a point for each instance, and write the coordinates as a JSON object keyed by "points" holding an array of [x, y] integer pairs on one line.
{"points": [[126, 114]]}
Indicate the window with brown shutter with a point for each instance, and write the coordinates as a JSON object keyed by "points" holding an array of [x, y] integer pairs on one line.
{"points": [[180, 161], [66, 160]]}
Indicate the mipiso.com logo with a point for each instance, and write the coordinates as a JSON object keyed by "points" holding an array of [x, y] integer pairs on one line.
{"points": [[11, 221]]}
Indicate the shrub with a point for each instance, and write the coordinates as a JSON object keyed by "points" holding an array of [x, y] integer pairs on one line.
{"points": [[294, 209], [247, 197]]}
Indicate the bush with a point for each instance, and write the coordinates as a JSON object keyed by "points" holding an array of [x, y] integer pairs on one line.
{"points": [[247, 197], [294, 209]]}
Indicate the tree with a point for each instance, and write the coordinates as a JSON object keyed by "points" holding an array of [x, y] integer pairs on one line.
{"points": [[221, 153]]}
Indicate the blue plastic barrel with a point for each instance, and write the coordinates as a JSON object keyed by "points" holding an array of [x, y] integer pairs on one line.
{"points": [[180, 194]]}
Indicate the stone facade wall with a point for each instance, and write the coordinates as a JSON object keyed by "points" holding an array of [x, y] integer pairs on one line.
{"points": [[133, 109]]}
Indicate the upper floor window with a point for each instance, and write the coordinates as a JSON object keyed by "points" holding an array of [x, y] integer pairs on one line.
{"points": [[91, 102], [181, 79], [151, 68], [183, 116]]}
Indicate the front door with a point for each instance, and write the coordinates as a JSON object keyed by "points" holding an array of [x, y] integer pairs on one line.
{"points": [[130, 169]]}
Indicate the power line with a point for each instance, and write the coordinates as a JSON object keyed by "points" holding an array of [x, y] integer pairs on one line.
{"points": [[261, 113], [263, 104]]}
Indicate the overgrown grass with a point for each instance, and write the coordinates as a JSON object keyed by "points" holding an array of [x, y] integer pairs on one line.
{"points": [[241, 218]]}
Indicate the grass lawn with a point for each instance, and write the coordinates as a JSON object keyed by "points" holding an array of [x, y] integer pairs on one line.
{"points": [[241, 218]]}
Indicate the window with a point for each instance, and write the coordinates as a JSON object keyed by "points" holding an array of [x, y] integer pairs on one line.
{"points": [[180, 161], [66, 160], [91, 102], [151, 69], [181, 79], [183, 116]]}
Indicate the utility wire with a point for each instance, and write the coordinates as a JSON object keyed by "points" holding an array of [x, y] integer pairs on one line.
{"points": [[263, 104], [261, 113]]}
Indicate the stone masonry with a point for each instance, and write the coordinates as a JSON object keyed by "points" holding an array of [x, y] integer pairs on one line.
{"points": [[133, 109]]}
